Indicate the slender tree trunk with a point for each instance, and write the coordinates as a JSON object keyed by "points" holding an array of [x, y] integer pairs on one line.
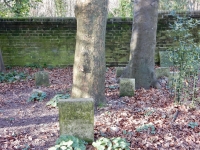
{"points": [[2, 68], [143, 43], [89, 61]]}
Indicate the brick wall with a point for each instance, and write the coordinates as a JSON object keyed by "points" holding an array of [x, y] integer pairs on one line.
{"points": [[51, 41]]}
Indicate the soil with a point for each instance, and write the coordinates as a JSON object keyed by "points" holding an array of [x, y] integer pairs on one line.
{"points": [[33, 125]]}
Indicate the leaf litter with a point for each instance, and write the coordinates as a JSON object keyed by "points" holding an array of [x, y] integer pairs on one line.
{"points": [[149, 120]]}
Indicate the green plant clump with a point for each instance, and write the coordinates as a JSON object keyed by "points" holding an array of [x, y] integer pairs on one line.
{"points": [[146, 127], [11, 76], [54, 101], [111, 144], [68, 142], [192, 124], [37, 96]]}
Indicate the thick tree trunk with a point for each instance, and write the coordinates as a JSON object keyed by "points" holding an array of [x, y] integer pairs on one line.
{"points": [[2, 68], [89, 61], [143, 43]]}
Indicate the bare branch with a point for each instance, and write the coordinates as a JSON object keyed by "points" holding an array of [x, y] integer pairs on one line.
{"points": [[7, 4]]}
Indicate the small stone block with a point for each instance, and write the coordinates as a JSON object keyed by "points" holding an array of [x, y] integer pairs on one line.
{"points": [[41, 78], [165, 58], [162, 71], [127, 87], [76, 118], [119, 71]]}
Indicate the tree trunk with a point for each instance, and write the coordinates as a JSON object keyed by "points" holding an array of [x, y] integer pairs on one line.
{"points": [[2, 68], [89, 61], [143, 42]]}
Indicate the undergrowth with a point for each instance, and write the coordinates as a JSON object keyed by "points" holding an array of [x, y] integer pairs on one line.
{"points": [[186, 58], [68, 142], [37, 96], [11, 76], [54, 101]]}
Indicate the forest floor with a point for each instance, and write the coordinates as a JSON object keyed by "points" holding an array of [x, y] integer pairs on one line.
{"points": [[33, 125]]}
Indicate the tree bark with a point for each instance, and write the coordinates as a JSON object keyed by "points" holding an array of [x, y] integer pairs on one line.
{"points": [[143, 43], [2, 68], [89, 61]]}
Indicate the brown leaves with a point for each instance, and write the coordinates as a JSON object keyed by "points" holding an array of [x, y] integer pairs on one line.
{"points": [[125, 114], [37, 126]]}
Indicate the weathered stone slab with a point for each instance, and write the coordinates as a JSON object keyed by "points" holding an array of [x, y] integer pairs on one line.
{"points": [[127, 87], [76, 117], [162, 71], [165, 59], [119, 71], [41, 78]]}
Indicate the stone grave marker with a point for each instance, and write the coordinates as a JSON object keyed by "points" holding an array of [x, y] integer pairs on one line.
{"points": [[127, 87], [41, 78], [165, 59], [162, 71], [76, 117]]}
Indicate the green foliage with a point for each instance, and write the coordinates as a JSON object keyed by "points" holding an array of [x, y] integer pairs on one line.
{"points": [[8, 67], [178, 5], [185, 56], [53, 102], [102, 144], [60, 7], [68, 142], [27, 147], [170, 5], [20, 8], [112, 87], [125, 9], [192, 124], [4, 12], [120, 144], [146, 127], [37, 96], [111, 144], [11, 76], [33, 65]]}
